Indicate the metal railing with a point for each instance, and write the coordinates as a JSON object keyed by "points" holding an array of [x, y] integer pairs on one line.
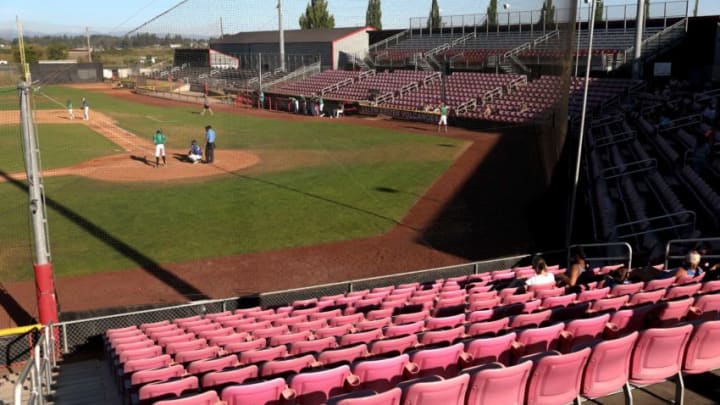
{"points": [[336, 86], [657, 40], [302, 71], [650, 224], [628, 169], [681, 122], [706, 96], [36, 376], [592, 258], [386, 42], [695, 242], [615, 138]]}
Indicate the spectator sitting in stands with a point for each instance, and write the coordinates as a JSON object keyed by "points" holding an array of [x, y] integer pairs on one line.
{"points": [[617, 276], [702, 155], [542, 276], [710, 113], [693, 268], [524, 107], [664, 121], [578, 274], [488, 109]]}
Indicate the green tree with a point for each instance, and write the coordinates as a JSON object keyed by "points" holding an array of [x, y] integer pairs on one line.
{"points": [[548, 13], [599, 9], [32, 55], [57, 50], [373, 16], [317, 16], [492, 13], [434, 19]]}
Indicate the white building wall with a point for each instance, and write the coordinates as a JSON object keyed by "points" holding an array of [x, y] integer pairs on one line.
{"points": [[356, 44]]}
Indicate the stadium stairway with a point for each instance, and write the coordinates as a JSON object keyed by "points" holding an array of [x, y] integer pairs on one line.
{"points": [[85, 382]]}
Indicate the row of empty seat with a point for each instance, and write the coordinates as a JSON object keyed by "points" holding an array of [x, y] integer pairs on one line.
{"points": [[269, 342]]}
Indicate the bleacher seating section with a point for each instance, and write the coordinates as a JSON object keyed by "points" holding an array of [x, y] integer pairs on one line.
{"points": [[454, 340]]}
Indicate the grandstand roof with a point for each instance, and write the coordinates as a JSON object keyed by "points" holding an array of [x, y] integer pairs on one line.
{"points": [[314, 35]]}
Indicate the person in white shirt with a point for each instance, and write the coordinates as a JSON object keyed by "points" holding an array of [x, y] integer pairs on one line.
{"points": [[542, 276]]}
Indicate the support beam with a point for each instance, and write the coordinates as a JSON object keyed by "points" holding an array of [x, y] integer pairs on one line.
{"points": [[639, 29]]}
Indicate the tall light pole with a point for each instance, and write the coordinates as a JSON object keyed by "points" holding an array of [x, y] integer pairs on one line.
{"points": [[639, 28], [578, 161], [282, 36]]}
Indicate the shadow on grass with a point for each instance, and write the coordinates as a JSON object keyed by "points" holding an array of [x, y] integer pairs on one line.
{"points": [[145, 262]]}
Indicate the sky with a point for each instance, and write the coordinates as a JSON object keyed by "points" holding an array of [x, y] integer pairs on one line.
{"points": [[52, 16]]}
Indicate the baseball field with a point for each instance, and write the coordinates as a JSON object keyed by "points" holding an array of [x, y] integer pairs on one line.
{"points": [[306, 182]]}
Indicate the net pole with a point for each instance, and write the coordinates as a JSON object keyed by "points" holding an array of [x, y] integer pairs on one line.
{"points": [[578, 160]]}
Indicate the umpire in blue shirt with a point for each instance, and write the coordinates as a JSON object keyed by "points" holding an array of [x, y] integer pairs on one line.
{"points": [[209, 144]]}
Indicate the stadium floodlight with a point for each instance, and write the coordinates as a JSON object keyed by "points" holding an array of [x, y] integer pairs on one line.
{"points": [[506, 6], [578, 160]]}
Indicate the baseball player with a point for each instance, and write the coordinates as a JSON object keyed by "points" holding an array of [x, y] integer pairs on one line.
{"points": [[159, 140]]}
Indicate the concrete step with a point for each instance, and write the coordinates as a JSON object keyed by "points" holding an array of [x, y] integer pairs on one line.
{"points": [[85, 382]]}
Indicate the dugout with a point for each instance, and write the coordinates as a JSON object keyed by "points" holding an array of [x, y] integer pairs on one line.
{"points": [[334, 46]]}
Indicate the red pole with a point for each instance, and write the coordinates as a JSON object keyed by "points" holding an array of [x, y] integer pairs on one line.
{"points": [[45, 289]]}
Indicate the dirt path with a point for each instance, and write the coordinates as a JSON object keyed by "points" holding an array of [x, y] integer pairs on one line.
{"points": [[134, 164], [405, 248]]}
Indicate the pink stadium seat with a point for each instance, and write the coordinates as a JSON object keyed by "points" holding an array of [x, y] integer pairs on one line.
{"points": [[145, 326], [539, 339], [375, 324], [444, 322], [157, 374], [252, 326], [369, 397], [306, 311], [149, 363], [309, 325], [193, 324], [272, 317], [195, 344], [398, 344], [125, 347], [343, 354], [233, 376], [484, 304], [451, 294], [327, 315], [164, 341], [517, 298], [580, 331], [703, 351], [221, 363], [555, 379], [182, 321], [290, 320], [334, 331], [265, 392], [380, 375], [447, 392], [304, 303], [495, 384], [645, 297], [536, 319], [295, 364], [658, 356], [245, 311], [114, 342], [346, 319], [710, 286], [480, 316], [242, 346], [316, 387], [706, 307], [175, 387], [479, 296], [689, 280], [379, 314], [205, 398], [110, 333], [411, 317], [270, 332], [622, 289], [558, 301], [506, 292], [313, 346], [404, 329], [608, 367], [211, 334], [442, 361], [489, 327], [632, 319], [529, 306], [546, 293], [213, 316], [256, 356], [187, 356], [682, 291], [659, 284], [614, 303], [492, 349], [361, 337], [593, 295], [442, 335], [290, 338], [670, 313], [135, 354]]}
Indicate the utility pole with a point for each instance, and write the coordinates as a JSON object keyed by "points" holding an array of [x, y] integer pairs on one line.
{"points": [[222, 31], [282, 36], [87, 37]]}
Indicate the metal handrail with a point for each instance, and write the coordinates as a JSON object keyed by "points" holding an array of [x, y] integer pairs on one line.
{"points": [[601, 142], [643, 166], [656, 37], [38, 370], [707, 95], [653, 219], [678, 241], [682, 122], [604, 258], [387, 40]]}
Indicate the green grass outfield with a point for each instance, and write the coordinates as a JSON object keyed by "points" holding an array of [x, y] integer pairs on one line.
{"points": [[360, 182]]}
